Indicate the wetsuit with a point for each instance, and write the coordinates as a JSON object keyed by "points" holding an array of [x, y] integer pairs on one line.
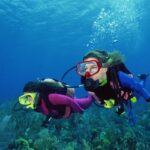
{"points": [[53, 100], [61, 106], [127, 85]]}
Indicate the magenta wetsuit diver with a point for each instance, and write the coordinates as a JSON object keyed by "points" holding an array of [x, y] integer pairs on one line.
{"points": [[54, 101], [62, 106]]}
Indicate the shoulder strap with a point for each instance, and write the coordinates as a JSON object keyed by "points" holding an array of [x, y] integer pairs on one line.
{"points": [[114, 78]]}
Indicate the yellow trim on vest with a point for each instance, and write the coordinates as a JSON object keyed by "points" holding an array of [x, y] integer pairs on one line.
{"points": [[109, 103], [133, 99]]}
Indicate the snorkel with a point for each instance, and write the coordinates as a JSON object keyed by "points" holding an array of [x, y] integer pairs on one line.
{"points": [[65, 74], [103, 60]]}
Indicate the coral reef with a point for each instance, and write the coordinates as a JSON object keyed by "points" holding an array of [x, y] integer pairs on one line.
{"points": [[96, 129]]}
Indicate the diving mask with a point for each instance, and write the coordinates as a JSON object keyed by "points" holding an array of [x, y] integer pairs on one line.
{"points": [[28, 99], [88, 68]]}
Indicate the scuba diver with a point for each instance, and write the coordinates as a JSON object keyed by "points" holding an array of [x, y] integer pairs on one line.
{"points": [[52, 98], [105, 76]]}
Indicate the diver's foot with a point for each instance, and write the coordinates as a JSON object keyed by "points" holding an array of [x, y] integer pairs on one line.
{"points": [[120, 111], [143, 76], [148, 100]]}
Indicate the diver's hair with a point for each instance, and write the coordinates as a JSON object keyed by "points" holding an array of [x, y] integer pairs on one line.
{"points": [[108, 59]]}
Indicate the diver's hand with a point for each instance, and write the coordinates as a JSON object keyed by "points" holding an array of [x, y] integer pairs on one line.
{"points": [[91, 93], [94, 96]]}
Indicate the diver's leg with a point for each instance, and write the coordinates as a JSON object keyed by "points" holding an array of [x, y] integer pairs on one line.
{"points": [[133, 84], [131, 113]]}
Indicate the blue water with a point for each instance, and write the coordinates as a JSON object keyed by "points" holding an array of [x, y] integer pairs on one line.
{"points": [[43, 38]]}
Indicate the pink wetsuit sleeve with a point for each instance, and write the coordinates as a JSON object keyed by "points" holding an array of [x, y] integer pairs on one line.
{"points": [[84, 102], [59, 99]]}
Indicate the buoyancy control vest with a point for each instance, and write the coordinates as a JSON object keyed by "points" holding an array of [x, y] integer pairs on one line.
{"points": [[44, 89], [113, 89]]}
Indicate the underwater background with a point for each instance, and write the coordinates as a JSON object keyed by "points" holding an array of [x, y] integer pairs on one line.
{"points": [[44, 38]]}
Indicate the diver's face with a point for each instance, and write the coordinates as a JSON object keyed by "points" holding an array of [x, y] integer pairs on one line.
{"points": [[101, 74], [88, 68], [29, 99]]}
